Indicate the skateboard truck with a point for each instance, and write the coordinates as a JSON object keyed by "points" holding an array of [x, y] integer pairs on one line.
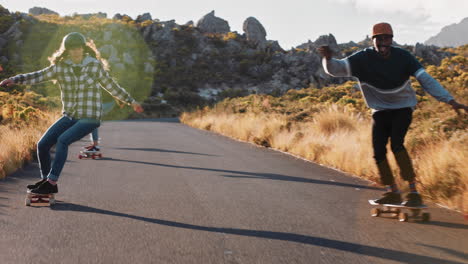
{"points": [[88, 155], [39, 198]]}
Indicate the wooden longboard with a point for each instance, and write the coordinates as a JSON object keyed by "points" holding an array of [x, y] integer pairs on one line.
{"points": [[39, 198], [399, 205], [89, 155], [397, 210]]}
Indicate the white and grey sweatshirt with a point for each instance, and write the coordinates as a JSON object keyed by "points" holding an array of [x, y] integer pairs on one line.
{"points": [[385, 83]]}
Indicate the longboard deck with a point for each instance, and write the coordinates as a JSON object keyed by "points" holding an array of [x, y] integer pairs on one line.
{"points": [[372, 202]]}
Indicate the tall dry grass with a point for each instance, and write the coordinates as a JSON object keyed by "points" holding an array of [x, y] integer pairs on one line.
{"points": [[341, 139], [18, 142]]}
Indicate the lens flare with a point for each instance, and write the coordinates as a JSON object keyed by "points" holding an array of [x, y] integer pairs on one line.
{"points": [[119, 43]]}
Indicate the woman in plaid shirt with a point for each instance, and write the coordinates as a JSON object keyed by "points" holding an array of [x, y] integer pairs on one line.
{"points": [[81, 76]]}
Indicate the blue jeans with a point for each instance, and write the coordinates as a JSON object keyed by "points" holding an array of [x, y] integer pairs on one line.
{"points": [[106, 108], [62, 133], [94, 136]]}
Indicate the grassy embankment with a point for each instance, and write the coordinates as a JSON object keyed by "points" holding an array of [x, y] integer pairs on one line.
{"points": [[332, 126], [24, 118]]}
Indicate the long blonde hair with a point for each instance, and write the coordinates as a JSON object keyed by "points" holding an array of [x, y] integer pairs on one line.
{"points": [[90, 49]]}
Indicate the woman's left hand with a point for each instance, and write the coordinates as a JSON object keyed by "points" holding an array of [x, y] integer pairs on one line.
{"points": [[7, 82], [137, 107]]}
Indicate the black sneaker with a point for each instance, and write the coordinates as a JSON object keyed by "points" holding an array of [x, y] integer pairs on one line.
{"points": [[92, 149], [34, 186], [389, 198], [412, 200], [45, 188]]}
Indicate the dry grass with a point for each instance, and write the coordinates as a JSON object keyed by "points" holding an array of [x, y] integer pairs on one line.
{"points": [[18, 142], [340, 139], [332, 126], [442, 168]]}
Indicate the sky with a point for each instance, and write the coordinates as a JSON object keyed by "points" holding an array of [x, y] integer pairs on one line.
{"points": [[290, 22]]}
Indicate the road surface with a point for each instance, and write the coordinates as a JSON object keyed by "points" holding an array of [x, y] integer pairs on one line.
{"points": [[168, 193]]}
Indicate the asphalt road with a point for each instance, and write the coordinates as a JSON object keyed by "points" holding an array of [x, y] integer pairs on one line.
{"points": [[168, 193]]}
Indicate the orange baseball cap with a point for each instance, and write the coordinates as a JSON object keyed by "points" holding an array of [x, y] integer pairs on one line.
{"points": [[382, 29]]}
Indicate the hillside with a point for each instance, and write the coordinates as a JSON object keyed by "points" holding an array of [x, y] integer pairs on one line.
{"points": [[451, 36], [174, 67]]}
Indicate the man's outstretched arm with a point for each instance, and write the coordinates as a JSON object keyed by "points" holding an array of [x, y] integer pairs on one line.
{"points": [[334, 67], [434, 88]]}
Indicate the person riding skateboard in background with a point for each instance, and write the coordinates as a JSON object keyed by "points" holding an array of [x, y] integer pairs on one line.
{"points": [[383, 72], [81, 75], [94, 147]]}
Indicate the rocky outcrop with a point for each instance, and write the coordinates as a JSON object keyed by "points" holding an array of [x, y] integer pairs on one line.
{"points": [[327, 40], [430, 54], [144, 17], [255, 33], [188, 65], [212, 24], [35, 11]]}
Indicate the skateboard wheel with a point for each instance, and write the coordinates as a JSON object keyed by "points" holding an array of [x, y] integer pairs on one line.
{"points": [[27, 202], [100, 156], [415, 212], [375, 212], [93, 157], [402, 217], [426, 217], [80, 157]]}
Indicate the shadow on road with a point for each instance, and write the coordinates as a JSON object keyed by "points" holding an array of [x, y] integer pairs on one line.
{"points": [[254, 175], [383, 253], [446, 250], [28, 172], [444, 224], [166, 150]]}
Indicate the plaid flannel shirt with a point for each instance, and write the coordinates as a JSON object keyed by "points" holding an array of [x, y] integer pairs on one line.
{"points": [[81, 96]]}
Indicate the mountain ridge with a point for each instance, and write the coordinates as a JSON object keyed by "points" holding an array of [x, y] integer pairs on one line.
{"points": [[451, 36]]}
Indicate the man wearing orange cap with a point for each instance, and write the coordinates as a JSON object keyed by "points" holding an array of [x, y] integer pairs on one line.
{"points": [[383, 72]]}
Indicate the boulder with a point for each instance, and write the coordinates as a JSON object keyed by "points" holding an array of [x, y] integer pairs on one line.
{"points": [[107, 36], [3, 60], [212, 24], [144, 17], [255, 32], [108, 51], [149, 68], [117, 16], [3, 42], [128, 59]]}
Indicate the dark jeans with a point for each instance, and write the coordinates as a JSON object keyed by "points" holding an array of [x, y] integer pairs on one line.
{"points": [[62, 133], [393, 125]]}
